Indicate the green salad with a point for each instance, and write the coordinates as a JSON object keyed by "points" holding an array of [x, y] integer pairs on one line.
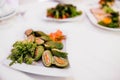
{"points": [[112, 20], [63, 11], [38, 46]]}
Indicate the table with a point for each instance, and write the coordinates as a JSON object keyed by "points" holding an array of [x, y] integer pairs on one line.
{"points": [[94, 52]]}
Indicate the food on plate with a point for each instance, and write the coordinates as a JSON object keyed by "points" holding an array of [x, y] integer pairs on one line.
{"points": [[107, 16], [99, 13], [63, 11], [28, 32], [60, 62], [39, 46], [47, 58], [39, 41], [57, 36], [59, 53], [106, 2], [53, 44], [21, 51], [38, 52]]}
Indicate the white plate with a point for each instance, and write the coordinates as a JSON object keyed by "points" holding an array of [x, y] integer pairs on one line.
{"points": [[39, 68], [95, 22], [77, 18], [8, 15], [9, 74]]}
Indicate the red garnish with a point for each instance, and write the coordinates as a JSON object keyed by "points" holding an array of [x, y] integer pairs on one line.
{"points": [[57, 36]]}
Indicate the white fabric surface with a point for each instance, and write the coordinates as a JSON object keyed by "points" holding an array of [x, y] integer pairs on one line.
{"points": [[93, 52]]}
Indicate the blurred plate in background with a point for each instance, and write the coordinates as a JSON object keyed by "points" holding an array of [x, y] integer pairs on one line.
{"points": [[6, 11]]}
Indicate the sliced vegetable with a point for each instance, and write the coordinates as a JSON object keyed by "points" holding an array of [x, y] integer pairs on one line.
{"points": [[59, 53], [60, 62], [47, 58], [28, 32], [38, 52], [45, 38], [31, 38], [53, 44], [39, 33], [39, 41]]}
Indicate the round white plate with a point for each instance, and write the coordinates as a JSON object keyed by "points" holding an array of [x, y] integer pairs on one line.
{"points": [[95, 22]]}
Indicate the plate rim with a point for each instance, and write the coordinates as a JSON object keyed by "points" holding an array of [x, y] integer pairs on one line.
{"points": [[27, 69]]}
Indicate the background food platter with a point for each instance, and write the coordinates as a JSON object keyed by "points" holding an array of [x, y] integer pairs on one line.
{"points": [[93, 20]]}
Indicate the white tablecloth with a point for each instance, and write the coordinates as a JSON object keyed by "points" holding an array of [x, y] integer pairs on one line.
{"points": [[94, 53]]}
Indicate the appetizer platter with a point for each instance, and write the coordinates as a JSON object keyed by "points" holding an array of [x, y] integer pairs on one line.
{"points": [[105, 15], [40, 53], [63, 12]]}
